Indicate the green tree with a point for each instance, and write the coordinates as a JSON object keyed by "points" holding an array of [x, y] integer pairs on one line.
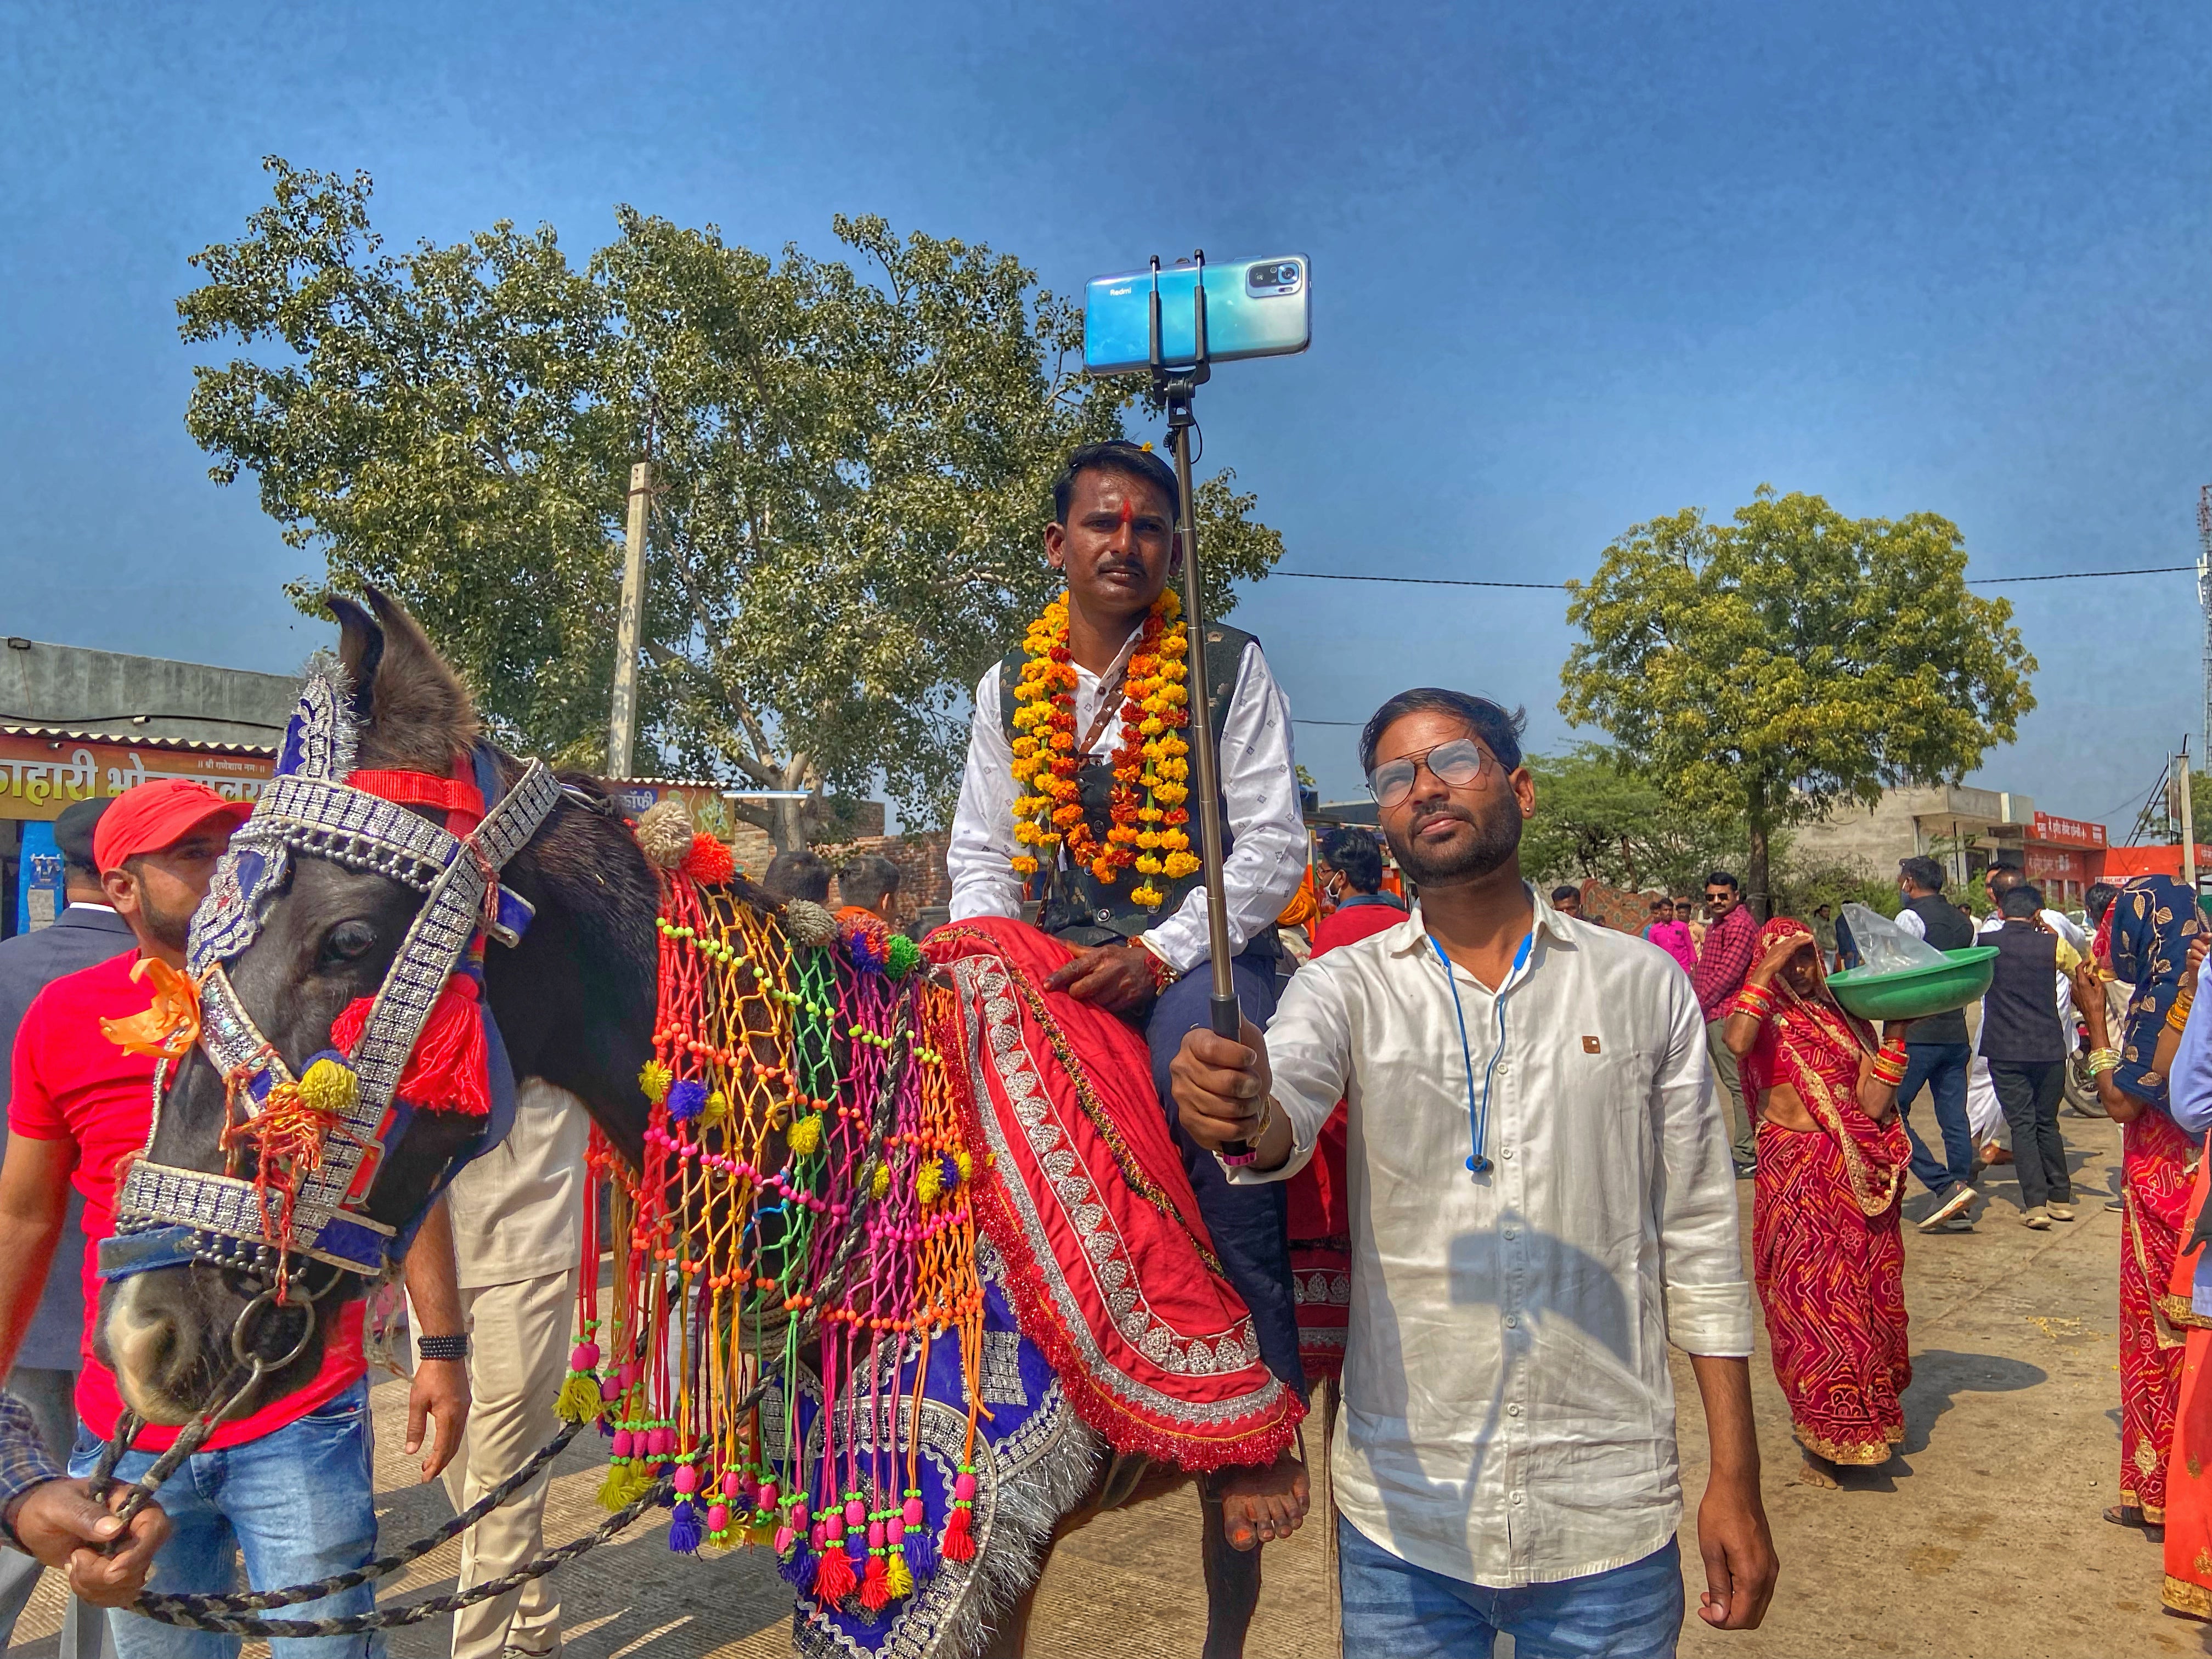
{"points": [[852, 472], [1599, 818], [1791, 659]]}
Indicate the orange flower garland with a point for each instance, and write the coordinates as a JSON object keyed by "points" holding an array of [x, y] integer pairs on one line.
{"points": [[1145, 810]]}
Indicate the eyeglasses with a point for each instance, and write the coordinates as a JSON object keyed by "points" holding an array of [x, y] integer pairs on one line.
{"points": [[1719, 895], [1457, 765]]}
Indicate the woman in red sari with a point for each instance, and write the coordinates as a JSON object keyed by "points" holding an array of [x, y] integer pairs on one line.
{"points": [[1829, 1257]]}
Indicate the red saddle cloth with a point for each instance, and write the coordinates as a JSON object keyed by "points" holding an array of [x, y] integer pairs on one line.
{"points": [[1111, 1271]]}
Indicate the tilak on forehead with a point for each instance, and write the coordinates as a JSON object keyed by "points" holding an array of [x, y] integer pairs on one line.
{"points": [[1128, 509]]}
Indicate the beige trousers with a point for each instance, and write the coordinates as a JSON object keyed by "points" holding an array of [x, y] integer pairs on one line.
{"points": [[518, 1357]]}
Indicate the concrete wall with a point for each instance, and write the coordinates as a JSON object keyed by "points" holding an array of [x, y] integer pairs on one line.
{"points": [[79, 690]]}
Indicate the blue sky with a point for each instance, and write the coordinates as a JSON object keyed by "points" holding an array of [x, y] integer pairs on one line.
{"points": [[1574, 266]]}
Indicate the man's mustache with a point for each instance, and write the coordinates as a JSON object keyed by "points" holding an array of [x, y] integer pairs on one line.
{"points": [[1423, 820]]}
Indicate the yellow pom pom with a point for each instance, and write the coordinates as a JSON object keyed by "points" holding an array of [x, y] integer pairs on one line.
{"points": [[930, 1182], [805, 1135], [965, 1163], [580, 1401], [718, 1107], [880, 1182], [653, 1078], [611, 1489], [898, 1578], [328, 1086]]}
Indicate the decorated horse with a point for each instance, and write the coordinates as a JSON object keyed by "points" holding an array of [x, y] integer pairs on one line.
{"points": [[907, 1280]]}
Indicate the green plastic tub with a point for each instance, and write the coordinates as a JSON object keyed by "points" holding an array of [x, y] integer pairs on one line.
{"points": [[1917, 992]]}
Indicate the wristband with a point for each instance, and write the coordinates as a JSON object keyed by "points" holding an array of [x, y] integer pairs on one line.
{"points": [[443, 1347], [1164, 973], [1238, 1160]]}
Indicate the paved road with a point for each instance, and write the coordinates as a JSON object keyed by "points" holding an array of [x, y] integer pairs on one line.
{"points": [[1981, 1541]]}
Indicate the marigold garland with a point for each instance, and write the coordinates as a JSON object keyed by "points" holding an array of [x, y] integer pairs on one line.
{"points": [[1146, 810]]}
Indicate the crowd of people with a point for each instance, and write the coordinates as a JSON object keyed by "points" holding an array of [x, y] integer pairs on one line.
{"points": [[1472, 1161]]}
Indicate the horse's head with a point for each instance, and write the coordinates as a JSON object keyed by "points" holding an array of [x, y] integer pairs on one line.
{"points": [[328, 938]]}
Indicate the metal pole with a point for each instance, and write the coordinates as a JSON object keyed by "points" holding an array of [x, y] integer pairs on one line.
{"points": [[1223, 1014], [2188, 819], [622, 725]]}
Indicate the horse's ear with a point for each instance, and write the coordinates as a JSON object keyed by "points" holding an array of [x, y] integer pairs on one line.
{"points": [[360, 651], [416, 714]]}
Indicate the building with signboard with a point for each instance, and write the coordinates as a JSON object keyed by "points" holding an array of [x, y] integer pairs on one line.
{"points": [[76, 724], [1967, 830]]}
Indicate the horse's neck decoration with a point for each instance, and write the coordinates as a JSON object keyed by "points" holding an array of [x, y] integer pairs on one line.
{"points": [[317, 1132]]}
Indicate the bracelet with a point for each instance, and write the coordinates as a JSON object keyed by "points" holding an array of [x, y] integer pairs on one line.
{"points": [[1757, 1000], [2177, 1017], [443, 1347], [1890, 1064], [1238, 1160], [2102, 1060], [1164, 973]]}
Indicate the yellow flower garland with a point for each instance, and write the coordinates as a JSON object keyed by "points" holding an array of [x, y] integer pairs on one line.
{"points": [[1151, 768]]}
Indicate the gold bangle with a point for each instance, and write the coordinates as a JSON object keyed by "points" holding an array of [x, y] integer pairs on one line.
{"points": [[2177, 1017]]}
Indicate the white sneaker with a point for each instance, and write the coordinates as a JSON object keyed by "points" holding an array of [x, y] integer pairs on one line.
{"points": [[2037, 1219], [1957, 1199], [2059, 1212]]}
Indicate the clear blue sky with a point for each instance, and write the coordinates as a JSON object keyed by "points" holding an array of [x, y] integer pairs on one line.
{"points": [[1574, 266]]}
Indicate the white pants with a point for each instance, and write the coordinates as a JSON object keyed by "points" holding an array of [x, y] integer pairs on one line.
{"points": [[518, 1357]]}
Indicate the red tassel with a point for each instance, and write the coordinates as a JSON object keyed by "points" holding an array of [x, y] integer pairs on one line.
{"points": [[709, 862], [876, 1588], [959, 1543], [450, 1069], [835, 1581]]}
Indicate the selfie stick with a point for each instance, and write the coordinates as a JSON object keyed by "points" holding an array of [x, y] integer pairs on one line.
{"points": [[1175, 386]]}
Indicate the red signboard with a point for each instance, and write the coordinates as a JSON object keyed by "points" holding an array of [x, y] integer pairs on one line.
{"points": [[40, 775], [2067, 832]]}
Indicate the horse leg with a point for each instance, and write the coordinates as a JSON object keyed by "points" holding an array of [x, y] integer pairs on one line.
{"points": [[1232, 1584]]}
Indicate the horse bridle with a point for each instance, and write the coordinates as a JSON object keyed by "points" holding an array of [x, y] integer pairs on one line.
{"points": [[167, 1216]]}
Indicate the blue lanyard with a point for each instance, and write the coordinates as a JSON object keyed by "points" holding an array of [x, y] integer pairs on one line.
{"points": [[1478, 1111]]}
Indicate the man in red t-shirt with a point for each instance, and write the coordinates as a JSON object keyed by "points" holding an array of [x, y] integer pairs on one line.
{"points": [[289, 1485]]}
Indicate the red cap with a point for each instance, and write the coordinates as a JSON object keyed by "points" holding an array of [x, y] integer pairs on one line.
{"points": [[157, 815]]}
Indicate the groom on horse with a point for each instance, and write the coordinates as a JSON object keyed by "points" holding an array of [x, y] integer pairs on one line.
{"points": [[1075, 795]]}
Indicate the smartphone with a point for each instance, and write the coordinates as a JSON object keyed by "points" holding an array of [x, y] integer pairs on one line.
{"points": [[1254, 308]]}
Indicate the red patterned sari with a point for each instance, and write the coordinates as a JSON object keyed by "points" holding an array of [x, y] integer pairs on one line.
{"points": [[1828, 1254], [2188, 1463], [2158, 1168]]}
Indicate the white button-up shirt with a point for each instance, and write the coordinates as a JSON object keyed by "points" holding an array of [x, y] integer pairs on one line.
{"points": [[1508, 1414], [1259, 786]]}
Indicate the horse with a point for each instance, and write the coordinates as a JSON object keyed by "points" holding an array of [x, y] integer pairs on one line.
{"points": [[573, 1000]]}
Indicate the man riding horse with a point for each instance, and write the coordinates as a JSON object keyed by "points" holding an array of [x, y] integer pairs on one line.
{"points": [[1076, 793]]}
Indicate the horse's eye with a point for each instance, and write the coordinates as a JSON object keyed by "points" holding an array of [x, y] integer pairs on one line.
{"points": [[348, 941]]}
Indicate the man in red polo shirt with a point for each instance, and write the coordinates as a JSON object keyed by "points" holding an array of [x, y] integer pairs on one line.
{"points": [[288, 1486]]}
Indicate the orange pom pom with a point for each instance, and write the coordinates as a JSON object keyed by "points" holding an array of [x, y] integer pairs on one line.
{"points": [[709, 862]]}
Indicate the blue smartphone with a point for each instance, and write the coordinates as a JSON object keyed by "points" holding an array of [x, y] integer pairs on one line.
{"points": [[1254, 308]]}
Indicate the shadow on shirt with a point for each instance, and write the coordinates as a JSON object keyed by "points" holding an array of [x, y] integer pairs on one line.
{"points": [[1588, 1396]]}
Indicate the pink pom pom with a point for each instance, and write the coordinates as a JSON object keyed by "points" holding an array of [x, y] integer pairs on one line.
{"points": [[964, 1486], [913, 1512], [717, 1517], [629, 1374], [894, 1534], [625, 1443], [856, 1515], [584, 1356], [686, 1479], [875, 1535], [785, 1538], [656, 1442], [732, 1484], [817, 1535], [610, 1388]]}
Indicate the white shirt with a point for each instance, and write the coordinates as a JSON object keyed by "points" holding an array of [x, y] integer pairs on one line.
{"points": [[1259, 783], [519, 1210], [1508, 1417]]}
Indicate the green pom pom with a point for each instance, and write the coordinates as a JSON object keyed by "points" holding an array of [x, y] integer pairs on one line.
{"points": [[903, 956]]}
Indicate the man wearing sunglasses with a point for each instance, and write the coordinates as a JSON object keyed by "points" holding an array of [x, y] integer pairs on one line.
{"points": [[1541, 1203], [1724, 957]]}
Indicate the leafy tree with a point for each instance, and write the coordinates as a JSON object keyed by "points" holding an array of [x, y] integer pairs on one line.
{"points": [[852, 470], [1792, 659], [1599, 818]]}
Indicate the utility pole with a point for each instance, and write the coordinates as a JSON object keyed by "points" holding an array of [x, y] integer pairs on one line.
{"points": [[2188, 819], [2204, 600], [622, 726]]}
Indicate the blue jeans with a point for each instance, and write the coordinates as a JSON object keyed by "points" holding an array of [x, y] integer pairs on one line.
{"points": [[298, 1503], [1395, 1610], [1943, 1067], [1250, 1225]]}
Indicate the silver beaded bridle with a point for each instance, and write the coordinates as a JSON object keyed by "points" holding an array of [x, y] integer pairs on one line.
{"points": [[167, 1216]]}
